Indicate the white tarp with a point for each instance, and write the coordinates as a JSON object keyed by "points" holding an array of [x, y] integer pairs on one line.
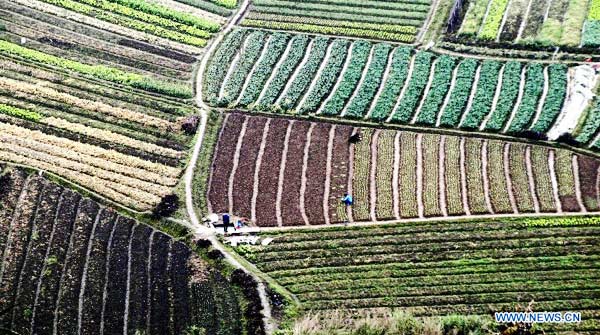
{"points": [[582, 79]]}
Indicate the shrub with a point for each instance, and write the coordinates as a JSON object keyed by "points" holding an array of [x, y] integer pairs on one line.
{"points": [[167, 206], [190, 124]]}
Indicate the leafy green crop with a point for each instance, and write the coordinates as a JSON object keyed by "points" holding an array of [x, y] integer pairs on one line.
{"points": [[484, 96], [20, 113], [511, 78], [439, 89], [557, 92], [393, 85], [417, 84], [534, 86], [460, 95]]}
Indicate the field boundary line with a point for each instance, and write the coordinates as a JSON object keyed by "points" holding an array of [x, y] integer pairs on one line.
{"points": [[442, 175], [425, 94], [281, 178], [485, 175], [304, 178], [542, 100], [373, 175], [297, 70], [85, 273], [495, 100], [338, 81], [472, 94], [327, 190], [463, 178], [434, 220], [444, 105], [419, 174], [396, 176], [236, 162], [509, 183], [517, 105], [275, 70], [106, 278], [360, 82], [531, 180], [386, 74], [405, 86], [261, 152], [575, 168]]}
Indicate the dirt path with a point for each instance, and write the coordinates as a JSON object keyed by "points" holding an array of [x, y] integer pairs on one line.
{"points": [[531, 181], [419, 173], [509, 184], [327, 190], [554, 181], [261, 152]]}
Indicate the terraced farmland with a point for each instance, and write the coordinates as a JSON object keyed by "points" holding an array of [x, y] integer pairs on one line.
{"points": [[399, 21], [71, 266], [292, 172], [378, 83], [99, 92], [537, 23], [438, 268]]}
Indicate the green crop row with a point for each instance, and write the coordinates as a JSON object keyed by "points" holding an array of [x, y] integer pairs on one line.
{"points": [[591, 125], [358, 107], [416, 86], [164, 12], [139, 20], [492, 22], [591, 34], [562, 221], [442, 78], [336, 15], [305, 75], [403, 29], [473, 18], [312, 28], [297, 51], [275, 48], [384, 174], [360, 183], [393, 85], [460, 94], [216, 72], [326, 80], [207, 6], [390, 9], [350, 79], [249, 56], [484, 96], [534, 85], [20, 113], [557, 91], [226, 3], [97, 71], [511, 78], [594, 12]]}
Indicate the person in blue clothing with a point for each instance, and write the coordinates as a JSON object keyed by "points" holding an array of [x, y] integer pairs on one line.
{"points": [[347, 199]]}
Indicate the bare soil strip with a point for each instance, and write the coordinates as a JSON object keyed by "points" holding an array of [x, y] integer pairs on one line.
{"points": [[419, 167], [261, 152], [282, 173], [304, 177], [575, 162], [326, 192], [463, 177], [554, 181], [236, 162]]}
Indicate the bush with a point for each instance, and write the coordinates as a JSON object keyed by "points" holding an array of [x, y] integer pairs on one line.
{"points": [[215, 254], [533, 135], [167, 206], [190, 124], [567, 138]]}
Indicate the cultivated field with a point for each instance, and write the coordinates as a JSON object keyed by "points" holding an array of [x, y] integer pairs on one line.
{"points": [[437, 269], [570, 23], [99, 92], [71, 266], [377, 82], [398, 21], [292, 172]]}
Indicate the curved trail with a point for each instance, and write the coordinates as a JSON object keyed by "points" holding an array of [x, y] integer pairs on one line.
{"points": [[200, 230]]}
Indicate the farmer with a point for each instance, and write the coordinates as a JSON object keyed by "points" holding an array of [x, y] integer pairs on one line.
{"points": [[225, 222], [347, 199]]}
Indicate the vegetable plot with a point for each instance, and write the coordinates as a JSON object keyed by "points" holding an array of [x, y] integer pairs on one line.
{"points": [[392, 175], [437, 268], [381, 20], [376, 82], [70, 264]]}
